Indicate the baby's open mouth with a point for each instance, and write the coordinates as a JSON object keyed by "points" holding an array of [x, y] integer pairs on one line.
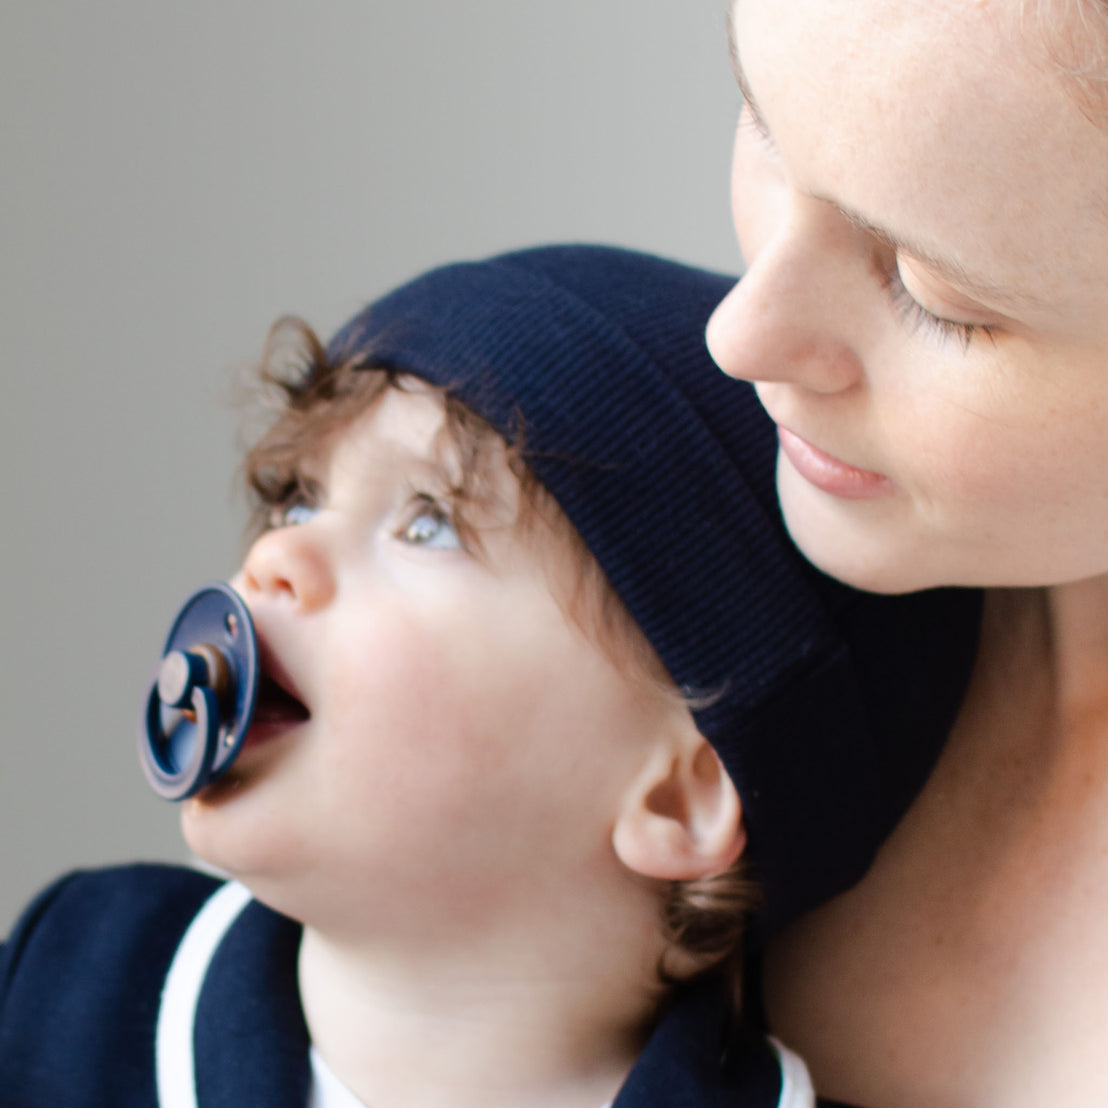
{"points": [[275, 704]]}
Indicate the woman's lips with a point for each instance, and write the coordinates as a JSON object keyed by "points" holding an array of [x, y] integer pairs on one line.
{"points": [[829, 474]]}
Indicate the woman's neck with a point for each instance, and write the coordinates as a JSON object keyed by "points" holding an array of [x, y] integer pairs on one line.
{"points": [[977, 935], [1076, 618]]}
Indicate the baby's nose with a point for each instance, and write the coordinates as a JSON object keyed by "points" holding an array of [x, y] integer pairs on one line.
{"points": [[290, 563]]}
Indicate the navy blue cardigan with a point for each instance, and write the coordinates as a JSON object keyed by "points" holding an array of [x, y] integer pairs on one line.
{"points": [[81, 983]]}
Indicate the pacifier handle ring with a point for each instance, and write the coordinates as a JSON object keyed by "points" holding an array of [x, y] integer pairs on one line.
{"points": [[201, 700], [178, 784]]}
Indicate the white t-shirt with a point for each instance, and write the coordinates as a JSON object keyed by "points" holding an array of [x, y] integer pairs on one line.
{"points": [[329, 1092]]}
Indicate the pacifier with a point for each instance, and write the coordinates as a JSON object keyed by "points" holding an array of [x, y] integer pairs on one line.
{"points": [[202, 699]]}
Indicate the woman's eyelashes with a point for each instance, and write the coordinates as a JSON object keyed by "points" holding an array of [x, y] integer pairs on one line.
{"points": [[751, 122], [916, 317]]}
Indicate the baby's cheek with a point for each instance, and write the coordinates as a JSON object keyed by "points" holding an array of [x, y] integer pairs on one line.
{"points": [[401, 713], [383, 670]]}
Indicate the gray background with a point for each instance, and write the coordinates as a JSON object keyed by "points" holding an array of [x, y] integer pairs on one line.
{"points": [[173, 176]]}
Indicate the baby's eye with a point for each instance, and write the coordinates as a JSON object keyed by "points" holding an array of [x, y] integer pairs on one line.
{"points": [[430, 526], [295, 514], [298, 505], [292, 514]]}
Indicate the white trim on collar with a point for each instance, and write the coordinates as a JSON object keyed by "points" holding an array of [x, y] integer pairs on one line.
{"points": [[797, 1090], [175, 1065]]}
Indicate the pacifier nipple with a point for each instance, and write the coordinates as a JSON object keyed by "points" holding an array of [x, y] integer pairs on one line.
{"points": [[202, 699]]}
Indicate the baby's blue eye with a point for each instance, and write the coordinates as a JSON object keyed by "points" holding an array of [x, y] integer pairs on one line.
{"points": [[295, 514], [431, 527]]}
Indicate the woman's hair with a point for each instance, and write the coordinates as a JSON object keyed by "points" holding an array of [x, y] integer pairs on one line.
{"points": [[311, 400], [1074, 34]]}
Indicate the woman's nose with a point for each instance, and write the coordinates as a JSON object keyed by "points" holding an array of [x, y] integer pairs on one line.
{"points": [[289, 563], [789, 318]]}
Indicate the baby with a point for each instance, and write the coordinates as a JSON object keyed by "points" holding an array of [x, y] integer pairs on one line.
{"points": [[551, 706]]}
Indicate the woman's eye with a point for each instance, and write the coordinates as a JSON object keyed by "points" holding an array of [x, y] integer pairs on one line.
{"points": [[750, 120], [430, 526], [916, 317]]}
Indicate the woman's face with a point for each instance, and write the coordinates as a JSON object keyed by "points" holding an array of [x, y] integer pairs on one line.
{"points": [[923, 209]]}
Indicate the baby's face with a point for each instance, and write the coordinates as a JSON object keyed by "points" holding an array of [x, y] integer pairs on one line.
{"points": [[465, 746]]}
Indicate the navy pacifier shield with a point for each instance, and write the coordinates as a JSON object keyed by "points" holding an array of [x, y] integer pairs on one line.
{"points": [[200, 704]]}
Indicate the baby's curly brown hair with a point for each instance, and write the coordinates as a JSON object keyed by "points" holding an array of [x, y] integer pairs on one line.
{"points": [[310, 400]]}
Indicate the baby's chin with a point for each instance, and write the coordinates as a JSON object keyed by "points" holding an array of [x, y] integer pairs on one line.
{"points": [[199, 837], [221, 831]]}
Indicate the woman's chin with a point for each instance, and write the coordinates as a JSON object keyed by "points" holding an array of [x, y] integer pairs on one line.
{"points": [[860, 543]]}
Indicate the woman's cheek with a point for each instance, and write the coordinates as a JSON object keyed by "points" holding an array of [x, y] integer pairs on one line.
{"points": [[972, 463]]}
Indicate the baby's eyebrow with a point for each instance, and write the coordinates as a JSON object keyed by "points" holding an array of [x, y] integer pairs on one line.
{"points": [[421, 467]]}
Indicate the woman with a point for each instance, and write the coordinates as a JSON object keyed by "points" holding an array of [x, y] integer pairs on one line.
{"points": [[920, 190]]}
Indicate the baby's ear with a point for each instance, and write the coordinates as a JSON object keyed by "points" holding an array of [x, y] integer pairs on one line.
{"points": [[681, 818]]}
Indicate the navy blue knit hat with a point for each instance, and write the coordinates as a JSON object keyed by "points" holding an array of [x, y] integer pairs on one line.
{"points": [[827, 706]]}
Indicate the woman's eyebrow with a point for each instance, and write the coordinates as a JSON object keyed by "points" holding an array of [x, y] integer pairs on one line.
{"points": [[950, 270], [740, 76]]}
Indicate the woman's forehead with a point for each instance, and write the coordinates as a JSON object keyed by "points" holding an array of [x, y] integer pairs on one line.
{"points": [[931, 120]]}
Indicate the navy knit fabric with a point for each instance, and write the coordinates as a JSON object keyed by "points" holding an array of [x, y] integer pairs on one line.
{"points": [[827, 707], [80, 995]]}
